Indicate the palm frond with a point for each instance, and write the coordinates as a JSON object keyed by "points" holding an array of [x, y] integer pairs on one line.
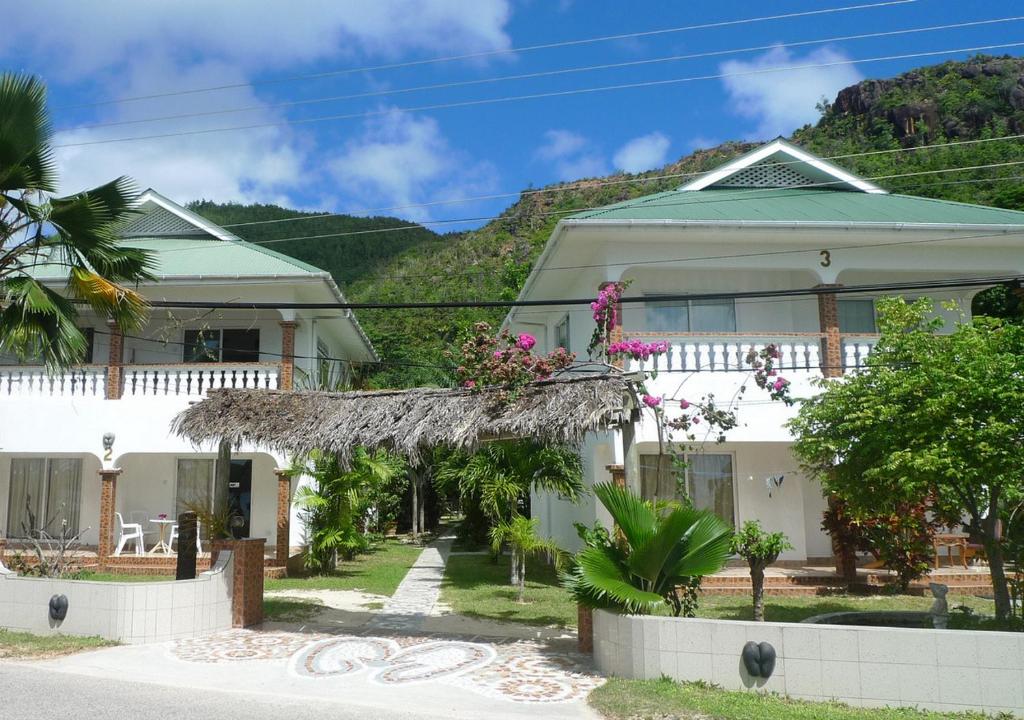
{"points": [[633, 516], [604, 578], [26, 158]]}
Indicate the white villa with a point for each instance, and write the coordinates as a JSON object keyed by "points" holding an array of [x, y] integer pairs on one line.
{"points": [[52, 437], [750, 226]]}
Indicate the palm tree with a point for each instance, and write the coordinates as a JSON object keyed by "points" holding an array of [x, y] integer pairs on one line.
{"points": [[520, 534], [332, 502], [75, 234], [655, 553]]}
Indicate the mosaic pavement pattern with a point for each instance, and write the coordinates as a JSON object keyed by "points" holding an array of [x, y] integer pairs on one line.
{"points": [[520, 672]]}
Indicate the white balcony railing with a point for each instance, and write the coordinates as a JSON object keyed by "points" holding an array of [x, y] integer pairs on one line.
{"points": [[27, 381], [728, 352], [197, 379]]}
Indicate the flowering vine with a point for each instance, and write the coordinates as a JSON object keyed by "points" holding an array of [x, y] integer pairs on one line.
{"points": [[505, 361]]}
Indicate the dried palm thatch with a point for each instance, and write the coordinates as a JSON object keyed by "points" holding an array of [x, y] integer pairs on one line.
{"points": [[407, 422]]}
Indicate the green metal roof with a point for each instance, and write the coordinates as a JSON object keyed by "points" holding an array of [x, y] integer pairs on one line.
{"points": [[799, 205], [206, 256]]}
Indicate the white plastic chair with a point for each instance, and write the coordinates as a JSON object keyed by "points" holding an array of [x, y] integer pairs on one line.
{"points": [[130, 532], [199, 536], [140, 518]]}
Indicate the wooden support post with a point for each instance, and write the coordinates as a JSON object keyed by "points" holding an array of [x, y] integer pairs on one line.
{"points": [[115, 362], [222, 480], [287, 379], [186, 566], [108, 498], [284, 516], [831, 341]]}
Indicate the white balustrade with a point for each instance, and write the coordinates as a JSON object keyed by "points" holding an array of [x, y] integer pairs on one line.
{"points": [[724, 354], [196, 380], [25, 381]]}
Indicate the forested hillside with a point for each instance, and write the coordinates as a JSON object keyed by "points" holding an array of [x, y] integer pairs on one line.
{"points": [[940, 104]]}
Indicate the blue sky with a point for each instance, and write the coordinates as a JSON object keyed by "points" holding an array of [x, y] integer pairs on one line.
{"points": [[91, 53]]}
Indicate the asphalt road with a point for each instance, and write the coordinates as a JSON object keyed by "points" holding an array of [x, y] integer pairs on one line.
{"points": [[38, 693]]}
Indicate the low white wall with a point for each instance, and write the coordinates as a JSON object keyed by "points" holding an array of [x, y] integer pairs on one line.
{"points": [[126, 612], [950, 670]]}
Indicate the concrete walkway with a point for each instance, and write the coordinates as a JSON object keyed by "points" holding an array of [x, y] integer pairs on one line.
{"points": [[418, 593]]}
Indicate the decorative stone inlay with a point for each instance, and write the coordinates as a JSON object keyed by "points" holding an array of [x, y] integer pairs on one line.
{"points": [[520, 672]]}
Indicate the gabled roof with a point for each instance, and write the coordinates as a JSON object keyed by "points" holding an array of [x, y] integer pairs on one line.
{"points": [[781, 164]]}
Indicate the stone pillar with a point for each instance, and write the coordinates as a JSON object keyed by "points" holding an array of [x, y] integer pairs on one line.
{"points": [[284, 514], [831, 342], [115, 361], [108, 497], [246, 580], [287, 379]]}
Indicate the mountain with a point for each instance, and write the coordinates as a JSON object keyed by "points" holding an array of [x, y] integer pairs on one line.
{"points": [[940, 104]]}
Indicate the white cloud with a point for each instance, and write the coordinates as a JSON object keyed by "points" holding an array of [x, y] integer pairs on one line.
{"points": [[402, 159], [642, 153], [780, 102], [94, 36], [571, 155], [261, 165]]}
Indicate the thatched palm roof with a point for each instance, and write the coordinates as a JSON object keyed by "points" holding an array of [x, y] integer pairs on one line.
{"points": [[406, 422]]}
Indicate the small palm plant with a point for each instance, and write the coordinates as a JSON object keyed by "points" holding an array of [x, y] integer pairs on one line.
{"points": [[654, 553], [759, 549], [520, 534]]}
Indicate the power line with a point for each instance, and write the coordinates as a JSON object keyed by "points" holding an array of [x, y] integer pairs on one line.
{"points": [[796, 292], [567, 187], [492, 53], [542, 73], [536, 96]]}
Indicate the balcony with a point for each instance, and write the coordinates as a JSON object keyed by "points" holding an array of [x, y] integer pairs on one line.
{"points": [[137, 381], [727, 352]]}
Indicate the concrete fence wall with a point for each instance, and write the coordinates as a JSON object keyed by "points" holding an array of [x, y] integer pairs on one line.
{"points": [[122, 611], [951, 670]]}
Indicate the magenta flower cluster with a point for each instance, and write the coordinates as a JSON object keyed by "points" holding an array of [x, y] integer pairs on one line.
{"points": [[606, 306], [636, 349], [652, 401], [525, 341]]}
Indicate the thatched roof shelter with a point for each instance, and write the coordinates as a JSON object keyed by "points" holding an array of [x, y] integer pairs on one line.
{"points": [[407, 422]]}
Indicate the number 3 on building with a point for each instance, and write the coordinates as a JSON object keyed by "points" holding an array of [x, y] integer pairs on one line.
{"points": [[826, 258]]}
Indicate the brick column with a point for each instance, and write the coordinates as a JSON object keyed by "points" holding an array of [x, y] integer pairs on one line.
{"points": [[618, 475], [287, 379], [831, 342], [108, 496], [616, 332], [284, 514], [246, 580], [115, 361]]}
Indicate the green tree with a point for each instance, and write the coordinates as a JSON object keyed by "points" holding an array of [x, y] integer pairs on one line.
{"points": [[76, 235], [933, 414], [523, 540], [332, 504], [654, 554], [759, 549]]}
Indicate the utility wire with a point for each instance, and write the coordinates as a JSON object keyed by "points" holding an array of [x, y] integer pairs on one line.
{"points": [[536, 96], [585, 185], [493, 53], [542, 73]]}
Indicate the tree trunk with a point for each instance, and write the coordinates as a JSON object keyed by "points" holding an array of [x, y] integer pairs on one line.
{"points": [[221, 483], [423, 502], [993, 540], [414, 487], [522, 579], [757, 583], [513, 578]]}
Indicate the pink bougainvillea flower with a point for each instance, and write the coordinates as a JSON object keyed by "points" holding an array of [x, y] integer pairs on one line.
{"points": [[526, 341], [469, 384], [684, 404], [779, 384], [696, 420], [498, 354], [652, 401]]}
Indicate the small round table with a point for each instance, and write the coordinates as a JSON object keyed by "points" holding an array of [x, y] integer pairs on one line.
{"points": [[164, 528]]}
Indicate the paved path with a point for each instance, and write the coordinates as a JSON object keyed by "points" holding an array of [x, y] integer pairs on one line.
{"points": [[416, 596]]}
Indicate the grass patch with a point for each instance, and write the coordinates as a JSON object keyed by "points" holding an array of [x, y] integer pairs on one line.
{"points": [[26, 645], [795, 609], [649, 699], [291, 609], [111, 577], [378, 572], [475, 585]]}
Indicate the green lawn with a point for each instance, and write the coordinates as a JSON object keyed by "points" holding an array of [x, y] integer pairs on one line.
{"points": [[377, 572], [26, 645], [662, 699], [291, 609], [474, 585]]}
